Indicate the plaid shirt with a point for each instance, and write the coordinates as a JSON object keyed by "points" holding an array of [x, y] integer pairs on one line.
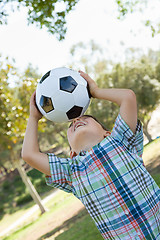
{"points": [[113, 184]]}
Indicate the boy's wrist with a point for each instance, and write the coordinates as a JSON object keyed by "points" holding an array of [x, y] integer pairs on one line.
{"points": [[96, 93], [33, 118]]}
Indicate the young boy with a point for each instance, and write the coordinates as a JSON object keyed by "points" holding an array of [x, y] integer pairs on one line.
{"points": [[105, 171]]}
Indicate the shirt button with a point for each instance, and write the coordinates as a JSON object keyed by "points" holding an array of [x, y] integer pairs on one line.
{"points": [[139, 234], [102, 170], [126, 212]]}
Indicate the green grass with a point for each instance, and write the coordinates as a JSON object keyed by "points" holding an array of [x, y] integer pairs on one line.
{"points": [[58, 204], [157, 179], [82, 229], [14, 194]]}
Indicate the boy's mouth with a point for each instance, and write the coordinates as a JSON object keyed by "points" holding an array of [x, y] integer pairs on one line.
{"points": [[79, 124]]}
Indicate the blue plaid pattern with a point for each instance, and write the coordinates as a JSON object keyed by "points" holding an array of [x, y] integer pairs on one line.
{"points": [[113, 184]]}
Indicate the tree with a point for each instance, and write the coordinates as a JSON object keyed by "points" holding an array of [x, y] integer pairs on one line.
{"points": [[12, 125], [129, 6], [141, 75], [88, 57], [50, 14]]}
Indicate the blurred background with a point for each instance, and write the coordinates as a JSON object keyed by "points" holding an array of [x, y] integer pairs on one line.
{"points": [[118, 44]]}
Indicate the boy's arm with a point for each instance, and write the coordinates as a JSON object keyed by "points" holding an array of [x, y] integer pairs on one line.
{"points": [[30, 149], [125, 98]]}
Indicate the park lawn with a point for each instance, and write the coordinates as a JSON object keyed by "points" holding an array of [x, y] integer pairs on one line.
{"points": [[151, 151], [58, 203], [81, 226]]}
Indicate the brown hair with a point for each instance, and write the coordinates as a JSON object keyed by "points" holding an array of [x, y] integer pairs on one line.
{"points": [[97, 121]]}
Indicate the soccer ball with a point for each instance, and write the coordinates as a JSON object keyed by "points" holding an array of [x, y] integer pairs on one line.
{"points": [[62, 95]]}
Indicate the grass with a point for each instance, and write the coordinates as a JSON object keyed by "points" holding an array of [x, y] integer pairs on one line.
{"points": [[151, 150], [81, 226], [17, 195], [56, 205], [15, 200]]}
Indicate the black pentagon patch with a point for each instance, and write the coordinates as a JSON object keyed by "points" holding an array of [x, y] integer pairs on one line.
{"points": [[46, 104], [67, 84], [74, 112], [44, 77]]}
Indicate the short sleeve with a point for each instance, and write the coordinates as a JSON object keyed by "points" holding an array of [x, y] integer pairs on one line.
{"points": [[122, 133], [61, 176]]}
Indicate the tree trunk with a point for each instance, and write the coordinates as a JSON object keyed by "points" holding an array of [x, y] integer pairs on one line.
{"points": [[145, 130], [30, 186], [148, 136]]}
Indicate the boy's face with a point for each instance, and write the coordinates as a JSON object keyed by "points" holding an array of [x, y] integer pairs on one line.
{"points": [[84, 130]]}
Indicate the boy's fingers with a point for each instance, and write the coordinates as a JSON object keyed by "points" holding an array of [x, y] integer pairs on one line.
{"points": [[85, 76], [33, 96]]}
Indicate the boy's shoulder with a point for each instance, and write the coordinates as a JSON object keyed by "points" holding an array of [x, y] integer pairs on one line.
{"points": [[122, 133]]}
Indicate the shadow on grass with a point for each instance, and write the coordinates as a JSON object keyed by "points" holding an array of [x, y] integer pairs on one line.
{"points": [[79, 227], [66, 225], [154, 166]]}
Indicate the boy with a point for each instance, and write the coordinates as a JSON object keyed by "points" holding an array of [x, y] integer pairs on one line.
{"points": [[105, 171]]}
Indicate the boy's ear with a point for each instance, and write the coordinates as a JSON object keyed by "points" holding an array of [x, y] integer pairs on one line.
{"points": [[107, 133], [72, 154]]}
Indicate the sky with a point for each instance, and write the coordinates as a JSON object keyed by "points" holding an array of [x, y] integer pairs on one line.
{"points": [[91, 20]]}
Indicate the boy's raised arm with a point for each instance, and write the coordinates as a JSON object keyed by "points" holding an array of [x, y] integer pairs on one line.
{"points": [[125, 98], [30, 149]]}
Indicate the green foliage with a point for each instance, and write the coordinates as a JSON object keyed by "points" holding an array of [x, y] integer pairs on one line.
{"points": [[6, 185], [14, 193], [126, 7], [142, 76], [50, 14], [157, 71], [24, 198], [129, 6]]}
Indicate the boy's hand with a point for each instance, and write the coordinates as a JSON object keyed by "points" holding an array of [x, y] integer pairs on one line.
{"points": [[34, 112], [92, 85]]}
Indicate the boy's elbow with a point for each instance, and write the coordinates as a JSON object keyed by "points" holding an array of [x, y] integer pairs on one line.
{"points": [[131, 95], [26, 156]]}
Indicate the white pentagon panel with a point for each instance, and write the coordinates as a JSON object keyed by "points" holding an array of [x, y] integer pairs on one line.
{"points": [[81, 96], [38, 93], [61, 72], [63, 101], [57, 116], [50, 86]]}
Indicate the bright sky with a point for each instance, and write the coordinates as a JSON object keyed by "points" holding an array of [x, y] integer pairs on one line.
{"points": [[91, 19]]}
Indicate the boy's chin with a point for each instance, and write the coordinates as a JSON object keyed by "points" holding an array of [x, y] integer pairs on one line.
{"points": [[83, 133]]}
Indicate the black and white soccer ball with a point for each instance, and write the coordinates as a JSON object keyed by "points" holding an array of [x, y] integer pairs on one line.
{"points": [[62, 95]]}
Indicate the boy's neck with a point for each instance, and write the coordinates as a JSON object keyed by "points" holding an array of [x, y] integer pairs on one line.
{"points": [[87, 146]]}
